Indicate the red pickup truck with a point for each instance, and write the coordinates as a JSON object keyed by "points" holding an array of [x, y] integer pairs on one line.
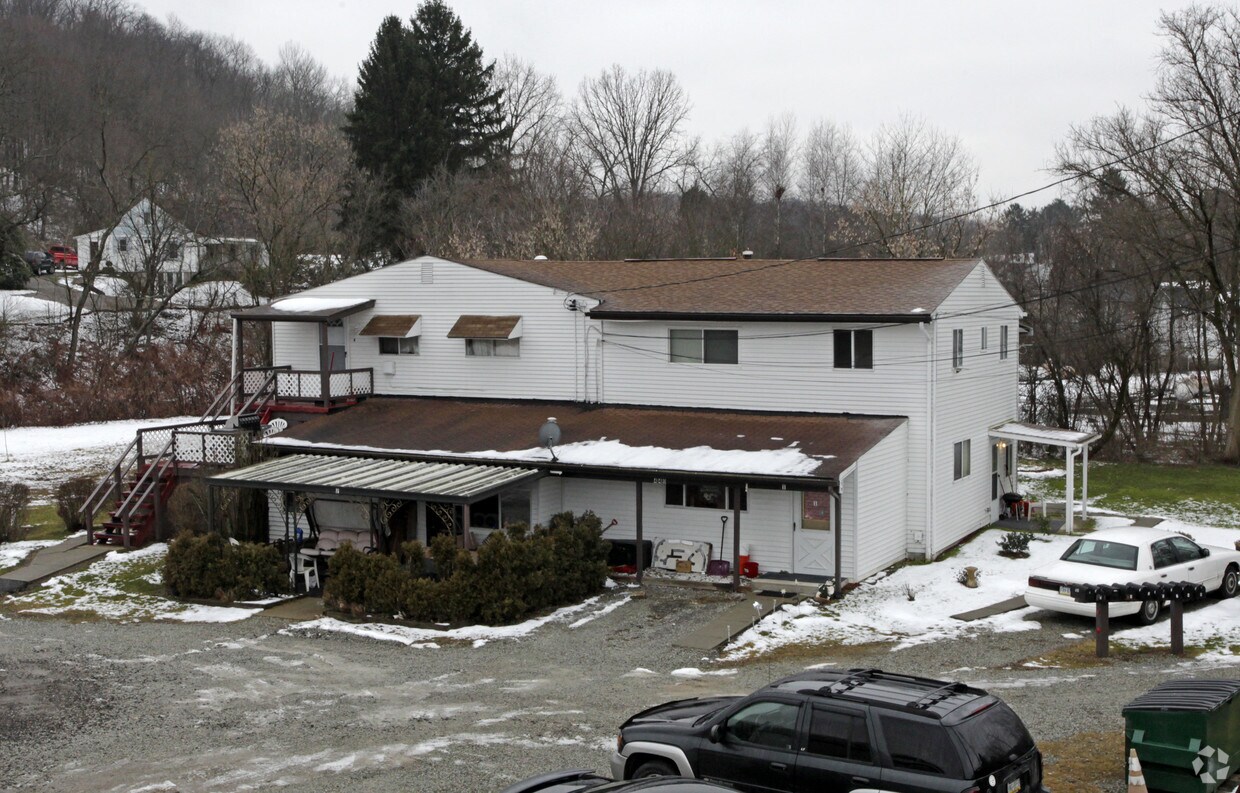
{"points": [[65, 257]]}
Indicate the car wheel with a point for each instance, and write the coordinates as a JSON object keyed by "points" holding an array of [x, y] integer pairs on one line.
{"points": [[654, 768], [1150, 609], [1231, 583]]}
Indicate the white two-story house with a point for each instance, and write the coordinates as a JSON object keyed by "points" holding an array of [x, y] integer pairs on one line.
{"points": [[148, 242], [841, 415]]}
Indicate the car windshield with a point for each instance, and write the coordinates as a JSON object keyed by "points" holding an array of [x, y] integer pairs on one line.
{"points": [[1102, 553], [994, 738]]}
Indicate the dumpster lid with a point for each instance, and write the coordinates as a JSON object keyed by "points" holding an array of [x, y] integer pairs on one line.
{"points": [[1186, 695]]}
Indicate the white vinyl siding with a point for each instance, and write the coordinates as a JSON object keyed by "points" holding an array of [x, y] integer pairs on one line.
{"points": [[882, 509], [966, 406], [550, 364]]}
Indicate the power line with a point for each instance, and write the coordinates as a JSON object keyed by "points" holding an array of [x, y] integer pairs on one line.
{"points": [[931, 224]]}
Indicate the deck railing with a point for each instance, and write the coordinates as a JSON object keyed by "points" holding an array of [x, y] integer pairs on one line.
{"points": [[307, 384]]}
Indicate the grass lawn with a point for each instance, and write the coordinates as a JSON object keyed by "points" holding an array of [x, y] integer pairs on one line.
{"points": [[1208, 494], [47, 524]]}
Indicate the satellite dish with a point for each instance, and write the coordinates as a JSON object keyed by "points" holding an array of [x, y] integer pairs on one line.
{"points": [[549, 433]]}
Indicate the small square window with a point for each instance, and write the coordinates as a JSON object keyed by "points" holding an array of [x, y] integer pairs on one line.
{"points": [[493, 348], [962, 464], [396, 345], [854, 349]]}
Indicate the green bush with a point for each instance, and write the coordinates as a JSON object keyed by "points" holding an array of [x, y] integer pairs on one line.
{"points": [[209, 567], [1015, 544], [70, 498], [14, 272], [514, 574]]}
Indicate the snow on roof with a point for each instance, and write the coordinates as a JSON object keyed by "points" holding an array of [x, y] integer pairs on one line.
{"points": [[299, 305], [788, 461]]}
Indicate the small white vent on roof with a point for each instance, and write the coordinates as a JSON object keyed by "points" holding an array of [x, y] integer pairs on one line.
{"points": [[746, 254], [428, 272], [540, 258]]}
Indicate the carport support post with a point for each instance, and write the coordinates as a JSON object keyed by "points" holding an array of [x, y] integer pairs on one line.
{"points": [[1177, 627], [237, 365], [324, 375], [641, 556], [1085, 481], [1069, 496], [838, 524], [1102, 629], [210, 507], [736, 538]]}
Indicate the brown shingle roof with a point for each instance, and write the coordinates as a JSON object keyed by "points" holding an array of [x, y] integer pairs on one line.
{"points": [[430, 427], [738, 288], [475, 326], [390, 325]]}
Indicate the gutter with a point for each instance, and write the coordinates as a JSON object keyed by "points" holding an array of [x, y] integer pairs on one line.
{"points": [[741, 316]]}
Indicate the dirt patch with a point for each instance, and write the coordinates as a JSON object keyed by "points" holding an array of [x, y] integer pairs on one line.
{"points": [[1088, 762], [1081, 655]]}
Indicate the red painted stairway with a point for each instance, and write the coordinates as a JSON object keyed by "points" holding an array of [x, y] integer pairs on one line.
{"points": [[142, 509]]}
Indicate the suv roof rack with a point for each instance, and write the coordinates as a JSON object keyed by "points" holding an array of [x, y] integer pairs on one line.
{"points": [[900, 692]]}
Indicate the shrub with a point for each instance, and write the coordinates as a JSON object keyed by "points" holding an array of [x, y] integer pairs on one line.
{"points": [[14, 272], [70, 497], [1015, 544], [208, 566], [14, 504], [514, 574]]}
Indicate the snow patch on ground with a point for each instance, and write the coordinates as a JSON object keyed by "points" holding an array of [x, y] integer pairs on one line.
{"points": [[879, 610], [102, 589], [426, 638], [693, 673], [19, 306], [12, 553], [45, 456]]}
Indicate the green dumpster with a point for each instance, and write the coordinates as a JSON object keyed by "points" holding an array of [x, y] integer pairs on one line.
{"points": [[1186, 733]]}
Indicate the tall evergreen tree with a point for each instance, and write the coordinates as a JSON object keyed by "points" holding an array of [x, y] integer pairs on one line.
{"points": [[424, 102]]}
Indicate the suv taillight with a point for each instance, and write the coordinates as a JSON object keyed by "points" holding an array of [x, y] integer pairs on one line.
{"points": [[620, 742]]}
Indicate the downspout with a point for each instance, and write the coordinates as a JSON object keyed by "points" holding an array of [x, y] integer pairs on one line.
{"points": [[932, 375]]}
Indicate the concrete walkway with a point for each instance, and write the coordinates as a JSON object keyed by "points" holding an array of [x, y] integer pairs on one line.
{"points": [[1003, 607], [731, 621], [54, 560]]}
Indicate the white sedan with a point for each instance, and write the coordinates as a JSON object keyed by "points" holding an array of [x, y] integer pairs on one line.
{"points": [[1132, 555]]}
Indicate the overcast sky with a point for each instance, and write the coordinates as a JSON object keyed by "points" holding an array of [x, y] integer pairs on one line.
{"points": [[1009, 78]]}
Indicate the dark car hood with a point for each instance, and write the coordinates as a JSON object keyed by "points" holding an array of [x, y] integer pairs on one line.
{"points": [[681, 710]]}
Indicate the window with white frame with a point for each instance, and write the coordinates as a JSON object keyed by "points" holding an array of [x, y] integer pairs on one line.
{"points": [[691, 494], [697, 345], [962, 453], [398, 345], [1003, 341], [854, 349], [122, 244], [493, 348], [958, 349], [985, 345]]}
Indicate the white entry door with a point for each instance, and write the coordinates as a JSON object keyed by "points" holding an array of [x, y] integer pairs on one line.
{"points": [[814, 546]]}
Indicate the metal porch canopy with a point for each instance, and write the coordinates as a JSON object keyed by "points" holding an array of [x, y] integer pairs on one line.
{"points": [[1073, 442], [459, 483]]}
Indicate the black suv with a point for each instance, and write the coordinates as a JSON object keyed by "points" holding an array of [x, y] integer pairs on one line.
{"points": [[860, 730]]}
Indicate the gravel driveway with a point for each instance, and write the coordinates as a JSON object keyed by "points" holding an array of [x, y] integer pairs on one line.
{"points": [[194, 707]]}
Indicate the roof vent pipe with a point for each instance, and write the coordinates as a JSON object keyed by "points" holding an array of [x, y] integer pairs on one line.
{"points": [[540, 258], [746, 254]]}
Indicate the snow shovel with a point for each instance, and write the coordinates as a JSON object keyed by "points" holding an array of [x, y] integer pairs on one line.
{"points": [[720, 566]]}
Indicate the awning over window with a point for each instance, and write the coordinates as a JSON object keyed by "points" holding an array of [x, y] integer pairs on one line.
{"points": [[306, 309], [370, 477], [397, 325], [1036, 433], [477, 326]]}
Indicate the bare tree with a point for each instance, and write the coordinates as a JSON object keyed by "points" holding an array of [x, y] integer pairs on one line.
{"points": [[733, 178], [915, 176], [779, 162], [830, 175], [287, 178], [628, 130], [531, 104], [1178, 166]]}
